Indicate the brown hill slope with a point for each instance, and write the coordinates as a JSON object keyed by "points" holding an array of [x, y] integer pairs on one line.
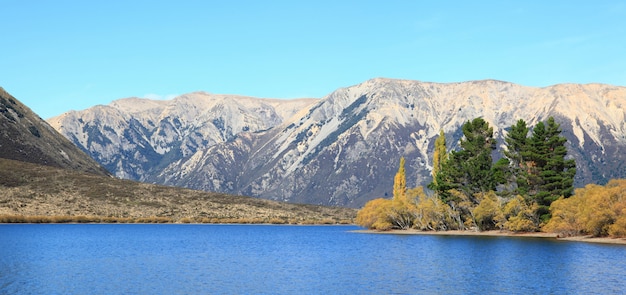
{"points": [[24, 136], [36, 190]]}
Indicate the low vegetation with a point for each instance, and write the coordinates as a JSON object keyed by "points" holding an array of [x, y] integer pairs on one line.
{"points": [[593, 210], [529, 189], [42, 194]]}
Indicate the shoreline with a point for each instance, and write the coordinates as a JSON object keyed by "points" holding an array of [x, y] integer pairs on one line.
{"points": [[497, 233]]}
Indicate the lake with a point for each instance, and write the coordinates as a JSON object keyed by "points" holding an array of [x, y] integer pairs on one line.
{"points": [[276, 259]]}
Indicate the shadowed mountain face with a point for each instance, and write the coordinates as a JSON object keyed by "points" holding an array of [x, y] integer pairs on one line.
{"points": [[26, 137], [343, 149]]}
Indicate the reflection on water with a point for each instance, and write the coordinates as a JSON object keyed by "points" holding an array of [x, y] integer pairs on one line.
{"points": [[269, 259]]}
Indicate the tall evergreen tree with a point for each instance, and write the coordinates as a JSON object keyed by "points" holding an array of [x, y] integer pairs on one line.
{"points": [[550, 175], [516, 142], [469, 169], [535, 154], [516, 147], [558, 173]]}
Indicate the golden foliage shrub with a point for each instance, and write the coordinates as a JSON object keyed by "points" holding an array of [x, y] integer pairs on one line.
{"points": [[488, 213], [595, 210], [432, 213], [520, 217], [374, 214]]}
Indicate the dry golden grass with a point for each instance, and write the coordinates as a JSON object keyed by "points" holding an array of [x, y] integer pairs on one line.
{"points": [[35, 193]]}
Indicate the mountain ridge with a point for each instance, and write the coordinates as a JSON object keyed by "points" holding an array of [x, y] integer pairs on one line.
{"points": [[343, 149], [137, 135]]}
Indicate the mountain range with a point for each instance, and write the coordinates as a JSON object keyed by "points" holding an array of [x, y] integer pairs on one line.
{"points": [[46, 178], [342, 149]]}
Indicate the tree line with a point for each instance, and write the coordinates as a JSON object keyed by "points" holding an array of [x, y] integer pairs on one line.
{"points": [[531, 182]]}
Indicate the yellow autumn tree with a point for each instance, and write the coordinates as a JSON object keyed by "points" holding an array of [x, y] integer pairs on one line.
{"points": [[440, 155], [403, 209], [618, 188], [383, 214], [461, 207], [520, 216], [488, 213], [564, 219], [374, 215], [595, 210], [431, 212], [596, 215], [618, 228]]}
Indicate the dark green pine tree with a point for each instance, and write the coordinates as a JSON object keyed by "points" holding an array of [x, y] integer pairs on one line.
{"points": [[558, 173], [516, 141], [535, 154], [515, 175], [550, 175], [469, 169]]}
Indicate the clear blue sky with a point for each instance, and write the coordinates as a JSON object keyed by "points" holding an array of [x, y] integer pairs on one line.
{"points": [[61, 55]]}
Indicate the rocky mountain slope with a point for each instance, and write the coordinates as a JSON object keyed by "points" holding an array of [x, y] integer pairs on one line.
{"points": [[24, 136], [344, 149], [135, 138]]}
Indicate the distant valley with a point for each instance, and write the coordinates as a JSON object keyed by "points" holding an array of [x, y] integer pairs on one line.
{"points": [[340, 150]]}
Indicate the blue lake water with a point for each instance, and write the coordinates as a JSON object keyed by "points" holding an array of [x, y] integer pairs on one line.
{"points": [[270, 259]]}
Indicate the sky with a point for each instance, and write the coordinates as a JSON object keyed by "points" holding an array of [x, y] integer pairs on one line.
{"points": [[63, 55]]}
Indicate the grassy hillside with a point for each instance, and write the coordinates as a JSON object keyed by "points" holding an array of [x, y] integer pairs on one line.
{"points": [[37, 193]]}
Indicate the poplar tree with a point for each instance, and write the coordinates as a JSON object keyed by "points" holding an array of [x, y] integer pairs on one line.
{"points": [[399, 182], [440, 155], [403, 209], [441, 180]]}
